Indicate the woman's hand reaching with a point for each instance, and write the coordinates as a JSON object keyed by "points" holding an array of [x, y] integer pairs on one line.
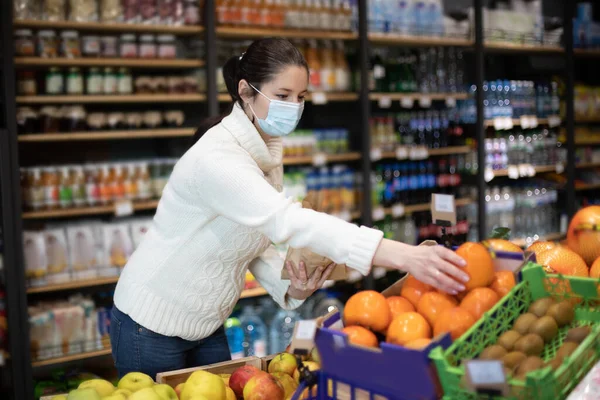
{"points": [[301, 285]]}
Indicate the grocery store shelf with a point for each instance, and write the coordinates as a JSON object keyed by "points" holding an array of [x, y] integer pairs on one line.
{"points": [[427, 206], [444, 151], [550, 237], [105, 135], [586, 186], [517, 122], [256, 292], [418, 96], [329, 158], [255, 33], [317, 97], [588, 142], [588, 165], [76, 212], [74, 285], [540, 169], [522, 48], [106, 62], [109, 27], [71, 357], [416, 41], [587, 52], [126, 98]]}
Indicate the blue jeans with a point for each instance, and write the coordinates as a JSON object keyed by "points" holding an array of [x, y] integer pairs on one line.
{"points": [[137, 349]]}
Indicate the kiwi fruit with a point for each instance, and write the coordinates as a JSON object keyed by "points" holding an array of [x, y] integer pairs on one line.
{"points": [[563, 313], [524, 322], [546, 327], [530, 344], [513, 359], [555, 363], [566, 350], [508, 339], [578, 335], [493, 352], [540, 307], [531, 363]]}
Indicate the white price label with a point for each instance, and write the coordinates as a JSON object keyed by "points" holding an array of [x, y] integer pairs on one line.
{"points": [[376, 154], [385, 102], [123, 208], [378, 72], [305, 330], [444, 203], [401, 153], [513, 172], [523, 170], [424, 153], [533, 122], [398, 210], [319, 159], [560, 168], [419, 153], [407, 102], [498, 124], [319, 98], [524, 122], [486, 372], [378, 214], [531, 171], [508, 123], [450, 102], [554, 121], [488, 174], [425, 101]]}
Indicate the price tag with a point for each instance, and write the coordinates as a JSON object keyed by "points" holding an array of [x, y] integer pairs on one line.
{"points": [[508, 123], [419, 153], [513, 172], [450, 102], [401, 153], [554, 121], [424, 153], [123, 208], [398, 210], [319, 98], [305, 330], [319, 159], [378, 214], [524, 122], [499, 124], [407, 102], [560, 168], [443, 209], [378, 72], [486, 376], [531, 171], [376, 154], [488, 174], [425, 101], [523, 170], [385, 102], [346, 216], [444, 203], [533, 122]]}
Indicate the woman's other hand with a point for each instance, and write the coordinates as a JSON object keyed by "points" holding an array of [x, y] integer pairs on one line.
{"points": [[302, 285]]}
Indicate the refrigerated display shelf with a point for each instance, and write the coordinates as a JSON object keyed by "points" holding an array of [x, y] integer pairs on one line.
{"points": [[122, 98], [539, 169], [109, 27], [417, 41], [106, 62], [517, 122], [444, 151], [327, 158], [73, 285], [71, 358], [549, 237], [77, 212], [317, 97], [228, 32], [104, 135], [418, 96], [426, 207], [493, 46]]}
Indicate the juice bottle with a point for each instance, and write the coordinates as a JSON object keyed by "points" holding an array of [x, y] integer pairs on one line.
{"points": [[92, 185], [342, 69], [50, 182], [118, 184], [346, 24], [144, 184], [65, 191], [245, 12], [278, 17], [291, 13], [327, 72], [268, 15], [105, 184], [234, 16], [78, 186], [222, 8], [37, 195], [130, 183], [322, 11], [314, 66]]}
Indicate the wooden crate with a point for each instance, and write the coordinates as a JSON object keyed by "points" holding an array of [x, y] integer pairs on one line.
{"points": [[174, 378], [265, 362]]}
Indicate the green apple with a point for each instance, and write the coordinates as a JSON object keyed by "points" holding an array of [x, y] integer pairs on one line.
{"points": [[84, 394], [59, 397], [145, 394], [123, 392], [104, 388], [165, 392], [205, 384], [118, 396], [135, 381]]}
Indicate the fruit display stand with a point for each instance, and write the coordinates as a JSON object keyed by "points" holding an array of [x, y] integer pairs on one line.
{"points": [[545, 383], [174, 378]]}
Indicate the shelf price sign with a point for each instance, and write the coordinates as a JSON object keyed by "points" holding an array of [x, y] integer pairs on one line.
{"points": [[486, 377]]}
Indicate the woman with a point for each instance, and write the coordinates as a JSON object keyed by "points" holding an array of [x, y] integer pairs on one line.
{"points": [[220, 213]]}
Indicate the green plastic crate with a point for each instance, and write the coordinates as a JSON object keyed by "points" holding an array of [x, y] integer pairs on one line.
{"points": [[543, 384]]}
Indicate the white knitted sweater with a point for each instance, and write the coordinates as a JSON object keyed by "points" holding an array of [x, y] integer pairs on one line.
{"points": [[219, 213]]}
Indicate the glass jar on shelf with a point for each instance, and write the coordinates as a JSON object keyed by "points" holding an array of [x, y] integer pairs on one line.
{"points": [[90, 46], [147, 46], [95, 81], [110, 81], [124, 81], [54, 81], [74, 81], [24, 43], [83, 10], [70, 44], [26, 83], [128, 47], [47, 44], [167, 47], [109, 46], [54, 10], [27, 9]]}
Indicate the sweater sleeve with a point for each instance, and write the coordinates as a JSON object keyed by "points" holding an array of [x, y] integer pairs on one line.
{"points": [[229, 182], [267, 271]]}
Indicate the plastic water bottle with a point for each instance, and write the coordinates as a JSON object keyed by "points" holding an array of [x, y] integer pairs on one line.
{"points": [[235, 337], [420, 17], [282, 330], [255, 333], [403, 20]]}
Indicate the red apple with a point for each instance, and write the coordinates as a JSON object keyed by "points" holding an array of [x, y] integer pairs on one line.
{"points": [[240, 377], [263, 386], [179, 389]]}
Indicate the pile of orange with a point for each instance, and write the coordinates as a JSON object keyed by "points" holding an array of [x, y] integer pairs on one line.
{"points": [[421, 312]]}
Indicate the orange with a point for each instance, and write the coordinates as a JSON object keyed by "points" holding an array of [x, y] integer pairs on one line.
{"points": [[502, 245], [478, 301], [433, 303], [559, 260], [368, 309], [455, 320], [503, 282], [408, 327], [583, 236], [361, 336], [541, 245], [479, 265], [413, 289], [399, 305], [595, 270], [411, 281], [418, 344]]}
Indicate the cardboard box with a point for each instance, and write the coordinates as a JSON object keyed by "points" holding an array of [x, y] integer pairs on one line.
{"points": [[174, 378]]}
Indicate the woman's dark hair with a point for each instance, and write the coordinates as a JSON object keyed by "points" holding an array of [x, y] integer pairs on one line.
{"points": [[264, 59]]}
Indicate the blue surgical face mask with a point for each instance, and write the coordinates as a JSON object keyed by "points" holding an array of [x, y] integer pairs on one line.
{"points": [[282, 117]]}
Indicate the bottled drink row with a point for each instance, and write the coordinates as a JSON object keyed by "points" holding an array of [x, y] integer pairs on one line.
{"points": [[306, 142], [413, 182], [407, 17], [530, 211], [514, 99], [434, 70], [534, 147], [331, 15], [432, 129]]}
